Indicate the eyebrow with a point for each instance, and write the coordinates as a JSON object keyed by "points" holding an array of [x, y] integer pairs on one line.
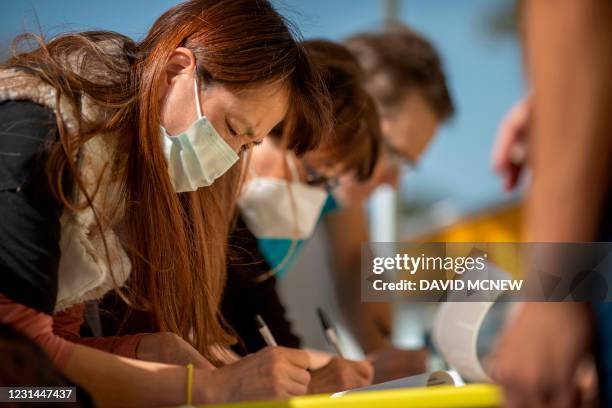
{"points": [[249, 129]]}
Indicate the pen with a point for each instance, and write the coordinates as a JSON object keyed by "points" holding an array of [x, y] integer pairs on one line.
{"points": [[330, 332], [383, 329], [265, 332]]}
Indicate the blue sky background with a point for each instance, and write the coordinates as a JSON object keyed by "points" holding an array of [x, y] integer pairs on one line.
{"points": [[483, 70]]}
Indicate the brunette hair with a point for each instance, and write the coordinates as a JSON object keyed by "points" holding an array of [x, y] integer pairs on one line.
{"points": [[354, 141], [176, 242], [356, 136], [397, 61]]}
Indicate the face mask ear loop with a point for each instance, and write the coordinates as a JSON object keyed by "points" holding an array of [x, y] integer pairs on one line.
{"points": [[196, 91], [290, 163], [250, 170]]}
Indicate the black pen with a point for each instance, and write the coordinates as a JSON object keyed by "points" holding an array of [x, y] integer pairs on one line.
{"points": [[330, 332], [265, 332]]}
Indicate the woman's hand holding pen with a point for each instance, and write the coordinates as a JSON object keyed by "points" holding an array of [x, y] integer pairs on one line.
{"points": [[271, 373], [340, 374]]}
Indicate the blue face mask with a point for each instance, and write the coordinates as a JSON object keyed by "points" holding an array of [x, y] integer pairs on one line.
{"points": [[282, 215], [199, 155], [281, 253]]}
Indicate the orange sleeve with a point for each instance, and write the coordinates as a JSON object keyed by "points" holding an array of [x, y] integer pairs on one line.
{"points": [[68, 322], [38, 327]]}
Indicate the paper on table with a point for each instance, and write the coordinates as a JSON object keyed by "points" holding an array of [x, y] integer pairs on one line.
{"points": [[422, 380]]}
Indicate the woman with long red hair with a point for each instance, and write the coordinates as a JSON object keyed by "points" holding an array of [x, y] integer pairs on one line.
{"points": [[110, 149]]}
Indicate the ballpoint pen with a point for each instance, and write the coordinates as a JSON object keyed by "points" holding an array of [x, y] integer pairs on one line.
{"points": [[330, 332], [265, 331]]}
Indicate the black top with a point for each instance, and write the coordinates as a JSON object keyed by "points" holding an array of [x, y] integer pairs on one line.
{"points": [[29, 213], [245, 297]]}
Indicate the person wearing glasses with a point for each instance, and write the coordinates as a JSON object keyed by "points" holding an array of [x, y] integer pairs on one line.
{"points": [[403, 74], [283, 199]]}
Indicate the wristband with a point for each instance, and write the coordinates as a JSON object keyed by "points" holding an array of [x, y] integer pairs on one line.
{"points": [[189, 389]]}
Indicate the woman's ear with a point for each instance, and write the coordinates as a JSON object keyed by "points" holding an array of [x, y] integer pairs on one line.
{"points": [[182, 61], [180, 65]]}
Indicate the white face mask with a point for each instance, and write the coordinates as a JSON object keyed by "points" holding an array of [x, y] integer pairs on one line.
{"points": [[274, 208], [199, 155], [282, 215]]}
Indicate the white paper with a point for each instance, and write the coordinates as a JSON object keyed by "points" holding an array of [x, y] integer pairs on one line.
{"points": [[414, 381]]}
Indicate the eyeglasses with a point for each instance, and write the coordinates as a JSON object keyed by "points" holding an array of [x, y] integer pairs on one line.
{"points": [[398, 158], [316, 179]]}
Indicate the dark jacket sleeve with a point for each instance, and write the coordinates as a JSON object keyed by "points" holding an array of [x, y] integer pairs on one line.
{"points": [[29, 214], [244, 296]]}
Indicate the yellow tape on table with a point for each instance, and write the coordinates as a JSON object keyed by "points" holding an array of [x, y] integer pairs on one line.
{"points": [[469, 396]]}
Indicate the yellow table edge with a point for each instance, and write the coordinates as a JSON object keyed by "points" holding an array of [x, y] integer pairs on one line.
{"points": [[469, 396]]}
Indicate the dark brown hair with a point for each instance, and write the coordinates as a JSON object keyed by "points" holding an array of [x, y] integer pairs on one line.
{"points": [[397, 61], [354, 141], [176, 242]]}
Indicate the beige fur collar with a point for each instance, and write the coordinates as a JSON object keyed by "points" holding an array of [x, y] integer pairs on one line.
{"points": [[84, 271]]}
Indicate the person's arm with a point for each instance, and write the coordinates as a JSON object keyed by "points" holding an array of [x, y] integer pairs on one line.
{"points": [[103, 375], [161, 347], [569, 62], [370, 322], [118, 381], [67, 324]]}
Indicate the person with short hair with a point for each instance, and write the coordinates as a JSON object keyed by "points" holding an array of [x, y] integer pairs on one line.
{"points": [[282, 201], [403, 74]]}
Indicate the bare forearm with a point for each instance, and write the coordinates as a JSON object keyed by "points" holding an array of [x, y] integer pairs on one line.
{"points": [[347, 231], [118, 381], [569, 61], [370, 322]]}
